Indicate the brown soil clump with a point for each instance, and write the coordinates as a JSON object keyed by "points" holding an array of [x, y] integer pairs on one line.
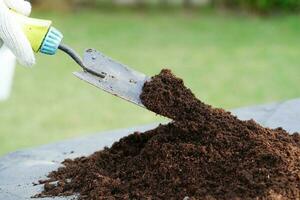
{"points": [[205, 153]]}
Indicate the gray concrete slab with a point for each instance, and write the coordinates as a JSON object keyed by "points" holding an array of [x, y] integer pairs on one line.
{"points": [[20, 169]]}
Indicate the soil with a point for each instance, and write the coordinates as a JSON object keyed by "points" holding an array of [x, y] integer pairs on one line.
{"points": [[204, 153]]}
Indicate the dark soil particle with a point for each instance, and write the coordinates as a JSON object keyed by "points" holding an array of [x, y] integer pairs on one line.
{"points": [[204, 153]]}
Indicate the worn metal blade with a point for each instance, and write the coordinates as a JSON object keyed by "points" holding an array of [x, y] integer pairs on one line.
{"points": [[115, 78]]}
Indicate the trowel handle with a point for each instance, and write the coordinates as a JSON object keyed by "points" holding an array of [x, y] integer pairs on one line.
{"points": [[45, 38], [42, 36]]}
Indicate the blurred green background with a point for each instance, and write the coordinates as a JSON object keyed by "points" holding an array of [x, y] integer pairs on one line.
{"points": [[229, 59]]}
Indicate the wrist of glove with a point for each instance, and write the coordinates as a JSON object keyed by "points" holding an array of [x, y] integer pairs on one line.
{"points": [[11, 32]]}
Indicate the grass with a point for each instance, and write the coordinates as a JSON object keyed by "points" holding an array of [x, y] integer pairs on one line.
{"points": [[228, 61]]}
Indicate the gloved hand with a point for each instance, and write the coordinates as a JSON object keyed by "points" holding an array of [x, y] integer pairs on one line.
{"points": [[11, 32]]}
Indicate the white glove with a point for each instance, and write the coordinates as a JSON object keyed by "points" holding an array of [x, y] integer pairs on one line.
{"points": [[11, 32]]}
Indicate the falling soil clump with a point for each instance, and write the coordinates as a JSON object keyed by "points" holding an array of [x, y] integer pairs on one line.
{"points": [[204, 153]]}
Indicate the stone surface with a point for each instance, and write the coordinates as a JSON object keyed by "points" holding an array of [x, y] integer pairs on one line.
{"points": [[19, 170]]}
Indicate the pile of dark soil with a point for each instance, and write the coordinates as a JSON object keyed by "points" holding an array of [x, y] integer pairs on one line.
{"points": [[205, 153]]}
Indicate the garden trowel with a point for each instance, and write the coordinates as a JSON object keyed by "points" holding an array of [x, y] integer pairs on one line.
{"points": [[112, 76], [98, 70]]}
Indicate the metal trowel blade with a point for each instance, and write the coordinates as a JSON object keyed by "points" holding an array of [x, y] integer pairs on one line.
{"points": [[115, 78]]}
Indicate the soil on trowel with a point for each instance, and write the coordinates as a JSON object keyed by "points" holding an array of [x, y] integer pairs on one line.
{"points": [[204, 153]]}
